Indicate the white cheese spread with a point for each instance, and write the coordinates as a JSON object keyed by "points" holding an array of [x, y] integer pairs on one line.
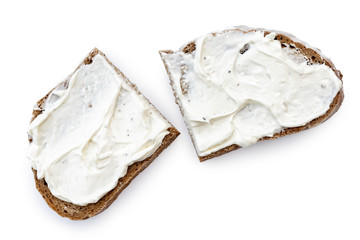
{"points": [[91, 131], [236, 88]]}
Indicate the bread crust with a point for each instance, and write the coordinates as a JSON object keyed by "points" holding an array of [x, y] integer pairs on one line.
{"points": [[312, 55], [76, 212]]}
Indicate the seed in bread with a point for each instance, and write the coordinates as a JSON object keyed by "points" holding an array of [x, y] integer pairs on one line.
{"points": [[242, 85]]}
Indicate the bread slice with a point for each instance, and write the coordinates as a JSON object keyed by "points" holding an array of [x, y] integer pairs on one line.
{"points": [[76, 212], [312, 56]]}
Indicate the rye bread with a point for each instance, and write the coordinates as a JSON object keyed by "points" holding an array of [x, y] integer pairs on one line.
{"points": [[76, 212], [312, 55]]}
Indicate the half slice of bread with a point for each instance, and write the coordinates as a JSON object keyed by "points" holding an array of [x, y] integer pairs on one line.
{"points": [[194, 61], [77, 212]]}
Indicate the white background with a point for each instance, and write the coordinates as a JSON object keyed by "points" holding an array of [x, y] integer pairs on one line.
{"points": [[304, 186]]}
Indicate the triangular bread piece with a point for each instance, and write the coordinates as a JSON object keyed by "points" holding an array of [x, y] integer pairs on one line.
{"points": [[84, 211], [243, 85]]}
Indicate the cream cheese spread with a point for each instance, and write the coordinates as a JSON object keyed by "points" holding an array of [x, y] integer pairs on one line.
{"points": [[92, 128], [237, 87]]}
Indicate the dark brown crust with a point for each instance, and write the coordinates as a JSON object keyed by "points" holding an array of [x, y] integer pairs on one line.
{"points": [[335, 105], [189, 48], [76, 212], [313, 57]]}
